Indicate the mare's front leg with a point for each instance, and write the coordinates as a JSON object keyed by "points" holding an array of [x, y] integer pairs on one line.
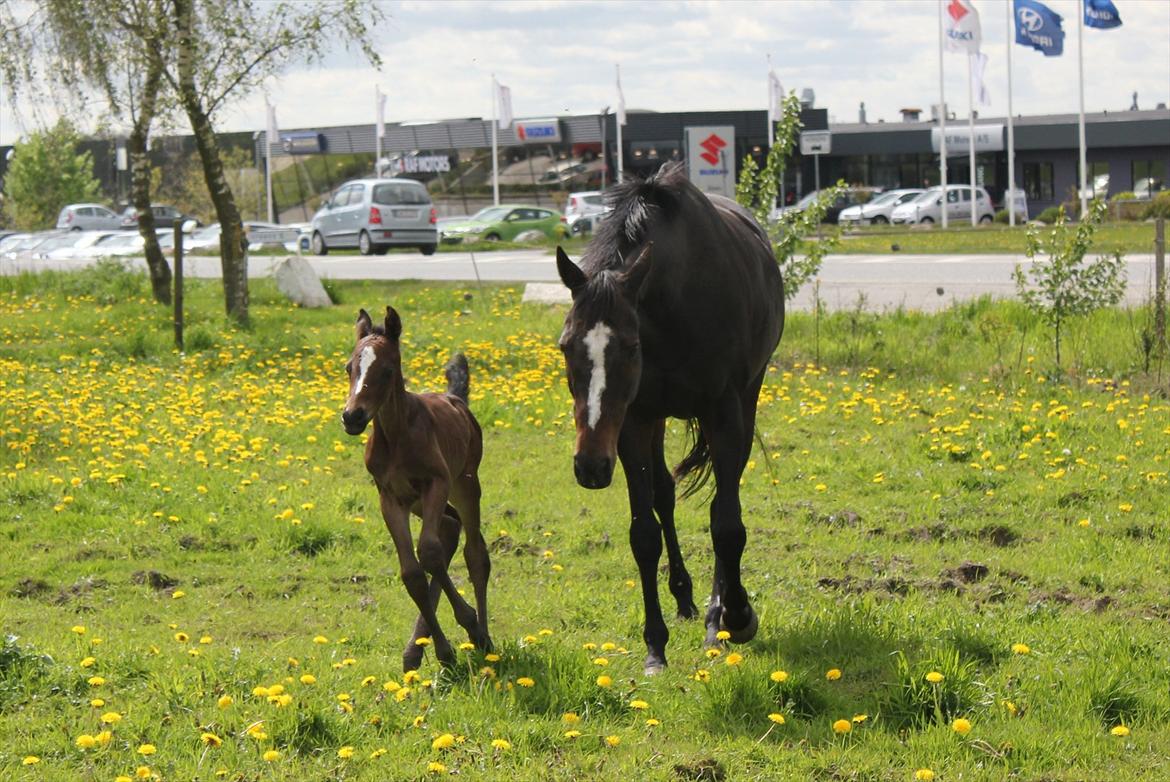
{"points": [[645, 535], [413, 577], [730, 608], [680, 580]]}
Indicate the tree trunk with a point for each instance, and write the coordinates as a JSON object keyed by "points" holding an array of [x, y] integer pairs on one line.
{"points": [[233, 245], [160, 272]]}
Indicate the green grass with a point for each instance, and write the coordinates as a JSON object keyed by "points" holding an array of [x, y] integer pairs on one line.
{"points": [[925, 495], [1129, 237]]}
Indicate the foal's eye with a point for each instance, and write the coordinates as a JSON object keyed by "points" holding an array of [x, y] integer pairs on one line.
{"points": [[348, 367]]}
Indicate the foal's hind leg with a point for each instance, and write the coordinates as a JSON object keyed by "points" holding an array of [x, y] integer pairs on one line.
{"points": [[465, 496], [449, 533], [680, 580], [431, 557]]}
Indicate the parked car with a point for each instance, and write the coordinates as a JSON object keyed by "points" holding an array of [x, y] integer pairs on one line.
{"points": [[850, 196], [927, 208], [116, 245], [507, 222], [207, 238], [1147, 187], [583, 211], [374, 215], [67, 244], [88, 217], [877, 210], [164, 216], [1098, 188]]}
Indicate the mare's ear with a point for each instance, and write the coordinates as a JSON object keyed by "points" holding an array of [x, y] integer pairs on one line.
{"points": [[365, 326], [634, 278], [571, 274], [393, 323]]}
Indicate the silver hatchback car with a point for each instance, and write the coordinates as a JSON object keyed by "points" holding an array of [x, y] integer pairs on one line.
{"points": [[374, 215], [88, 217]]}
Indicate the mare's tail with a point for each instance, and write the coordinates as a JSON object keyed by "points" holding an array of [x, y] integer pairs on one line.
{"points": [[458, 376], [695, 467]]}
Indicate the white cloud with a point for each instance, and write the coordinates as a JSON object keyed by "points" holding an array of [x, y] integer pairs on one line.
{"points": [[558, 58]]}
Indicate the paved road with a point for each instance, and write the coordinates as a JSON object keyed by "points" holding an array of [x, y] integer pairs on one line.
{"points": [[880, 282]]}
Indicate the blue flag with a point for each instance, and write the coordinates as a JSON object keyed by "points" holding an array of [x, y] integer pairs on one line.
{"points": [[1101, 14], [1038, 26]]}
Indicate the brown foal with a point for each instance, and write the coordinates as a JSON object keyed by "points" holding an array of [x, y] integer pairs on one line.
{"points": [[424, 454]]}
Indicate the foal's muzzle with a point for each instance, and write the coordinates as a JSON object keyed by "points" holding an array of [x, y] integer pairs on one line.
{"points": [[593, 472], [354, 421]]}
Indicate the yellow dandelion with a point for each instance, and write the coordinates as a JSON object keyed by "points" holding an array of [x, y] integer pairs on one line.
{"points": [[613, 741], [30, 760], [205, 640], [308, 678], [271, 756], [702, 675], [1119, 730], [833, 674], [961, 726], [1021, 649], [604, 681], [210, 739], [778, 676], [570, 718], [445, 741], [95, 681], [111, 718], [88, 662], [379, 752], [842, 726], [142, 772], [603, 661], [723, 635], [79, 629], [182, 638], [735, 658], [85, 741], [492, 657], [260, 691], [572, 734], [225, 701], [466, 646], [147, 749], [713, 653], [345, 753], [924, 775], [422, 641], [589, 646], [97, 703], [859, 718], [501, 744], [934, 677], [639, 705], [104, 738], [652, 722], [178, 594], [777, 718], [410, 677], [320, 639], [435, 767]]}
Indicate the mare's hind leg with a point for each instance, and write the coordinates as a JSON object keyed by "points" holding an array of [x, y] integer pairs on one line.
{"points": [[729, 437], [449, 533], [680, 580], [465, 495]]}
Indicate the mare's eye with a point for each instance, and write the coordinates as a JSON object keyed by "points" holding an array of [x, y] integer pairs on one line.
{"points": [[387, 372]]}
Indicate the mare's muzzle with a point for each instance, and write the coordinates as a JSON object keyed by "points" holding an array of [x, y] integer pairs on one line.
{"points": [[593, 472], [354, 421]]}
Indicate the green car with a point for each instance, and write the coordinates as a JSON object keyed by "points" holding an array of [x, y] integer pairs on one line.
{"points": [[506, 222]]}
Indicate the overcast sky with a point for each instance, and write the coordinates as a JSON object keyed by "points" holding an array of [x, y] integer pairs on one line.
{"points": [[558, 58]]}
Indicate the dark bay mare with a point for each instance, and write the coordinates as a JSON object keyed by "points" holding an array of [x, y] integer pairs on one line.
{"points": [[424, 454], [677, 308]]}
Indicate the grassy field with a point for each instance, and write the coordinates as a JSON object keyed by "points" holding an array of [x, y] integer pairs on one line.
{"points": [[195, 584], [1129, 237]]}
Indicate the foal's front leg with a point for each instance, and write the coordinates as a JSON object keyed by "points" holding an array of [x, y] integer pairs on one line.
{"points": [[414, 578], [645, 535], [432, 557], [450, 535]]}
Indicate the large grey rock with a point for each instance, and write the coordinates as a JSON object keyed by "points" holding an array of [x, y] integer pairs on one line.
{"points": [[296, 279], [546, 293]]}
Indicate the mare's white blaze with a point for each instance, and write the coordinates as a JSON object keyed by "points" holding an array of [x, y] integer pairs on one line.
{"points": [[596, 340], [365, 361]]}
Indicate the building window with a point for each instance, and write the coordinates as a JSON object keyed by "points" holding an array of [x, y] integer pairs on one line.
{"points": [[1038, 182], [1149, 176]]}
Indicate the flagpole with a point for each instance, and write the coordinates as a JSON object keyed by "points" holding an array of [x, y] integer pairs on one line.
{"points": [[942, 119], [620, 163], [495, 144], [1011, 136], [377, 135], [1081, 108], [268, 162], [771, 105], [971, 137]]}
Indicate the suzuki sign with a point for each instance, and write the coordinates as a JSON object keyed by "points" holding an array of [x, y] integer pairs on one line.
{"points": [[711, 158], [538, 131]]}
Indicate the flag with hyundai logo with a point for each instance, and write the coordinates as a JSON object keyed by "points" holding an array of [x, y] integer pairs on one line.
{"points": [[504, 99], [963, 33], [775, 98], [1038, 26], [1101, 14]]}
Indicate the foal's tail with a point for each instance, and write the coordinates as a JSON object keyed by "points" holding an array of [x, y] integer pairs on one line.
{"points": [[458, 376]]}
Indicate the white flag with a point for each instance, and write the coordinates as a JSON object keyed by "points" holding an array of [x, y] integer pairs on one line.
{"points": [[272, 134], [978, 86], [621, 106], [380, 108], [963, 31], [775, 98], [504, 100]]}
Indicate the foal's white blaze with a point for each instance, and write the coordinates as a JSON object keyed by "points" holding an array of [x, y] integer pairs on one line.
{"points": [[595, 340], [365, 361]]}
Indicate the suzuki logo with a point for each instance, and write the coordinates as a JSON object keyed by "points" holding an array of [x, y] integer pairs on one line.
{"points": [[1030, 20], [956, 10], [713, 144]]}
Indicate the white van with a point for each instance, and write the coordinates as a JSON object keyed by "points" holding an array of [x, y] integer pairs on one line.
{"points": [[374, 215], [927, 208]]}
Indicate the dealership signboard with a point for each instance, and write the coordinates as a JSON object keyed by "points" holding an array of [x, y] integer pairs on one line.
{"points": [[538, 131], [711, 158], [988, 138]]}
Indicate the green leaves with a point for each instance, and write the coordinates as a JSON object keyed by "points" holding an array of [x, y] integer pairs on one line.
{"points": [[1060, 284], [47, 173]]}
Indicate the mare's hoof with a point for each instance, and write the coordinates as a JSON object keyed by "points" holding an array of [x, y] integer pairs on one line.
{"points": [[688, 612], [411, 662], [745, 633], [654, 665], [482, 642]]}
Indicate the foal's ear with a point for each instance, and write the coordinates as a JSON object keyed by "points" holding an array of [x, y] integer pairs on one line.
{"points": [[571, 274], [364, 326], [634, 278], [393, 323]]}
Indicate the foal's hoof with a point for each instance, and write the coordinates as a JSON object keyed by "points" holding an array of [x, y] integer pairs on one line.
{"points": [[745, 633], [654, 665]]}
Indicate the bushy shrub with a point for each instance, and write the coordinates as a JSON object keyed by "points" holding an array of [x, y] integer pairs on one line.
{"points": [[1002, 216], [1049, 215], [1158, 207]]}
